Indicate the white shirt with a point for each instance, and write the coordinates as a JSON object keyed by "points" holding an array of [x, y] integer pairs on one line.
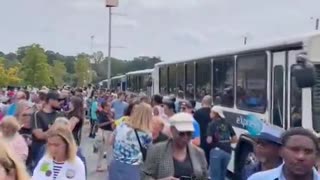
{"points": [[276, 174], [69, 171]]}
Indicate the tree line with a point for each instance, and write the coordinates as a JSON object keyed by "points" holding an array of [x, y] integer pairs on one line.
{"points": [[33, 65]]}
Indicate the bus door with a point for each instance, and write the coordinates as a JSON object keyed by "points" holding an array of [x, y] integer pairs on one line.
{"points": [[299, 100], [278, 89]]}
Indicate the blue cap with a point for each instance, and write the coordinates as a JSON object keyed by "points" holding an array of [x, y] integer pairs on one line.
{"points": [[271, 133]]}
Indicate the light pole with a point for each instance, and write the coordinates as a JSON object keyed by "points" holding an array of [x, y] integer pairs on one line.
{"points": [[317, 23], [109, 47], [110, 4], [245, 40]]}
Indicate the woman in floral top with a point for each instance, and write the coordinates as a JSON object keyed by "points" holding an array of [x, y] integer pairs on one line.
{"points": [[130, 141]]}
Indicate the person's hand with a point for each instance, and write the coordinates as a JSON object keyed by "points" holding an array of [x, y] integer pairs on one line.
{"points": [[169, 178]]}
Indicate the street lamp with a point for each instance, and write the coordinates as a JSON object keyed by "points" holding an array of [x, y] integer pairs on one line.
{"points": [[317, 22], [110, 4]]}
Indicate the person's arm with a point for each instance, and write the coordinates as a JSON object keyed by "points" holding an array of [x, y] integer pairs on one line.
{"points": [[233, 135], [209, 133], [73, 122], [196, 136], [37, 127]]}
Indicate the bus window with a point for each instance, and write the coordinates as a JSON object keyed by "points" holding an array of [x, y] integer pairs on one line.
{"points": [[223, 82], [252, 82], [163, 80], [278, 96], [172, 79], [180, 78], [203, 69], [139, 83], [190, 81], [295, 103]]}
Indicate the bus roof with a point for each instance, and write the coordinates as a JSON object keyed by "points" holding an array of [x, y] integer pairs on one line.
{"points": [[118, 77], [145, 71], [277, 44]]}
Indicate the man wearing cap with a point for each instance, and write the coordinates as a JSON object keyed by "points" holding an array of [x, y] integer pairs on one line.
{"points": [[41, 121], [176, 158], [220, 135], [267, 149]]}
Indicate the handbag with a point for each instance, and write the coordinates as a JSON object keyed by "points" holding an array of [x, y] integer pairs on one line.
{"points": [[142, 149]]}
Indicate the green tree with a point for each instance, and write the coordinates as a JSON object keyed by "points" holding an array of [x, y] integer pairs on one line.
{"points": [[59, 71], [83, 70], [35, 67], [9, 76]]}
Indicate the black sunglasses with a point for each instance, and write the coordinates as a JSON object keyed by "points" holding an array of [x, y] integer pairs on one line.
{"points": [[187, 133]]}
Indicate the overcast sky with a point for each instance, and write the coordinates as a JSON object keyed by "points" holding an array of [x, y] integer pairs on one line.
{"points": [[171, 29]]}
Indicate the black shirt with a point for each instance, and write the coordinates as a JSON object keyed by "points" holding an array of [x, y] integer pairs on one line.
{"points": [[221, 132], [77, 129], [42, 120], [184, 168], [202, 116], [102, 118]]}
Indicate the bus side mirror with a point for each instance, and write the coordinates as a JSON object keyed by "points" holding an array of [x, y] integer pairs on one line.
{"points": [[304, 72]]}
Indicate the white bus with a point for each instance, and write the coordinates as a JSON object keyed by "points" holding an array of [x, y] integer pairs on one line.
{"points": [[118, 83], [140, 82], [256, 80]]}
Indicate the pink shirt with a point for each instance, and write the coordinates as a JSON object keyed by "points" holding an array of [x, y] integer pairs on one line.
{"points": [[18, 144]]}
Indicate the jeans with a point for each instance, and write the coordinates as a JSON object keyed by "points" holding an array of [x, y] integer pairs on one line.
{"points": [[106, 147], [122, 171], [219, 161]]}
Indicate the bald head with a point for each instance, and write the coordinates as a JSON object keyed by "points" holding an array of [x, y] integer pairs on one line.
{"points": [[207, 101]]}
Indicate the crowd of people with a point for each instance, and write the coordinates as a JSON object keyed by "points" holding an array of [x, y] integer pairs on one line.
{"points": [[137, 137]]}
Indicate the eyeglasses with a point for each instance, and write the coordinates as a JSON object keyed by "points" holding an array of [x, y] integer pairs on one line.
{"points": [[187, 133]]}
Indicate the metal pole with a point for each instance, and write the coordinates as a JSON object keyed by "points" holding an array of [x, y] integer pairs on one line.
{"points": [[317, 24], [109, 49], [91, 44], [245, 40]]}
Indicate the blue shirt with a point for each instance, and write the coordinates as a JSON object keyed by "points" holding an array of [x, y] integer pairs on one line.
{"points": [[277, 174], [12, 110], [119, 108], [196, 133], [93, 110]]}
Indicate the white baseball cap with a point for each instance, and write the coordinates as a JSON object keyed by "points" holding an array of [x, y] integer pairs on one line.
{"points": [[218, 109], [183, 122]]}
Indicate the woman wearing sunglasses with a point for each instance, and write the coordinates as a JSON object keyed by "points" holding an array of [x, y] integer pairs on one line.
{"points": [[176, 158]]}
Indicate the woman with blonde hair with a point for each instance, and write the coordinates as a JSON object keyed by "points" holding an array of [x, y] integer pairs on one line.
{"points": [[60, 161], [9, 128], [130, 141], [10, 167]]}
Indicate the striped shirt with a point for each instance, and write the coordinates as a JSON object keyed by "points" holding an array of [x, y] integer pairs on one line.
{"points": [[57, 166]]}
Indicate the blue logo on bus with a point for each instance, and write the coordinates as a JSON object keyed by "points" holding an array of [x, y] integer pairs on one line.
{"points": [[254, 125]]}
